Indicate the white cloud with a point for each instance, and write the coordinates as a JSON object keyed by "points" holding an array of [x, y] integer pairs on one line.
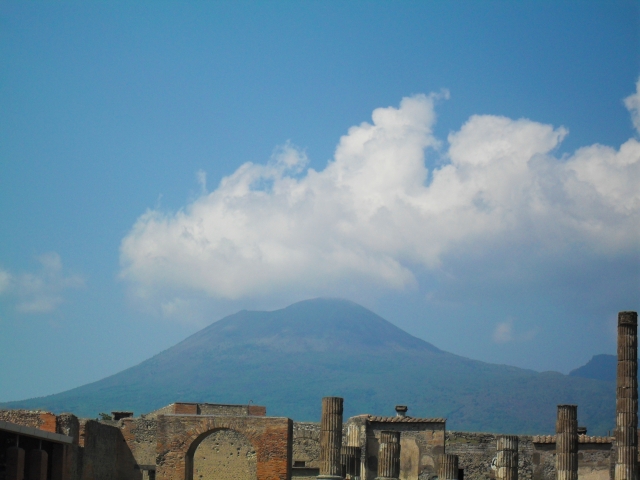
{"points": [[5, 280], [40, 292], [376, 216], [632, 102], [503, 332]]}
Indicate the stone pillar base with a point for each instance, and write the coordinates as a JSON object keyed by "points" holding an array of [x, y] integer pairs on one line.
{"points": [[329, 477], [386, 478]]}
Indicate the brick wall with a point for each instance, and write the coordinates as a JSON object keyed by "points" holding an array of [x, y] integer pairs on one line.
{"points": [[178, 438]]}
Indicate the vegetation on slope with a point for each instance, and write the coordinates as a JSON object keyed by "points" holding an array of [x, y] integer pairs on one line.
{"points": [[289, 359]]}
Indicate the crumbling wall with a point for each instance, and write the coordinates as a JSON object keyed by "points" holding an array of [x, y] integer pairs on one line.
{"points": [[477, 453], [184, 408], [179, 436], [30, 418], [140, 435], [106, 455], [536, 459], [306, 444], [225, 455]]}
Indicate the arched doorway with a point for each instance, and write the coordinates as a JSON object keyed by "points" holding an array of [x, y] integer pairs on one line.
{"points": [[222, 454]]}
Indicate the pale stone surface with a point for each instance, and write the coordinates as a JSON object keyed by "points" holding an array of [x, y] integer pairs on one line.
{"points": [[225, 455]]}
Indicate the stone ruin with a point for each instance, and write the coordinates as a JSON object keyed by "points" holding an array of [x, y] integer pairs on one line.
{"points": [[192, 441]]}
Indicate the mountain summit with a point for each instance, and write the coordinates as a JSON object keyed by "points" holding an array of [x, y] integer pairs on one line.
{"points": [[317, 325], [289, 359]]}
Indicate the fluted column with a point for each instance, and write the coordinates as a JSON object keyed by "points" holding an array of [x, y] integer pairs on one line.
{"points": [[331, 438], [567, 443], [507, 458], [448, 467], [350, 460], [389, 455], [627, 398]]}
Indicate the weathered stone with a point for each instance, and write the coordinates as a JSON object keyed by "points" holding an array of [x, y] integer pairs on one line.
{"points": [[178, 438], [507, 457], [448, 467], [331, 437], [626, 433], [350, 460], [567, 443], [389, 455]]}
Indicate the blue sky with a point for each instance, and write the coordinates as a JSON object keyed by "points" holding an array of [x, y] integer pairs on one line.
{"points": [[468, 170]]}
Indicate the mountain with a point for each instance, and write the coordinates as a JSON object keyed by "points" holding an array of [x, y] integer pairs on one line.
{"points": [[600, 367], [289, 359]]}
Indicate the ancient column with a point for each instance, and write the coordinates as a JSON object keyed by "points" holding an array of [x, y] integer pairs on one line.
{"points": [[626, 433], [507, 458], [448, 467], [567, 443], [350, 460], [15, 463], [389, 456], [331, 438]]}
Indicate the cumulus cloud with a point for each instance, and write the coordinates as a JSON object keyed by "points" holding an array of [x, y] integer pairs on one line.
{"points": [[632, 102], [376, 216], [39, 292]]}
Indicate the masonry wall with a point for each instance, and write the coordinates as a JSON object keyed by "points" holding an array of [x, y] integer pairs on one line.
{"points": [[225, 455], [421, 443], [420, 446], [536, 460], [31, 418], [140, 436], [182, 408], [179, 438], [106, 455], [66, 457]]}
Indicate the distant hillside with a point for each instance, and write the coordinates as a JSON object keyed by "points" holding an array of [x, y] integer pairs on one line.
{"points": [[600, 367], [290, 358]]}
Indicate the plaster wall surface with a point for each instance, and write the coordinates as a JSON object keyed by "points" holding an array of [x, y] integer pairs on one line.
{"points": [[420, 445]]}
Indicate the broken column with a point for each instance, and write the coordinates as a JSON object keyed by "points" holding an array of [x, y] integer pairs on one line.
{"points": [[15, 463], [567, 443], [448, 467], [389, 456], [350, 460], [507, 458], [627, 397], [331, 438]]}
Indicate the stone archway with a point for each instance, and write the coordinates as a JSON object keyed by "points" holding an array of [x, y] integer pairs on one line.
{"points": [[179, 437], [223, 454]]}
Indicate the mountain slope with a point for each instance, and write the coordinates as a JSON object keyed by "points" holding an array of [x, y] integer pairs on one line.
{"points": [[290, 358], [600, 367]]}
